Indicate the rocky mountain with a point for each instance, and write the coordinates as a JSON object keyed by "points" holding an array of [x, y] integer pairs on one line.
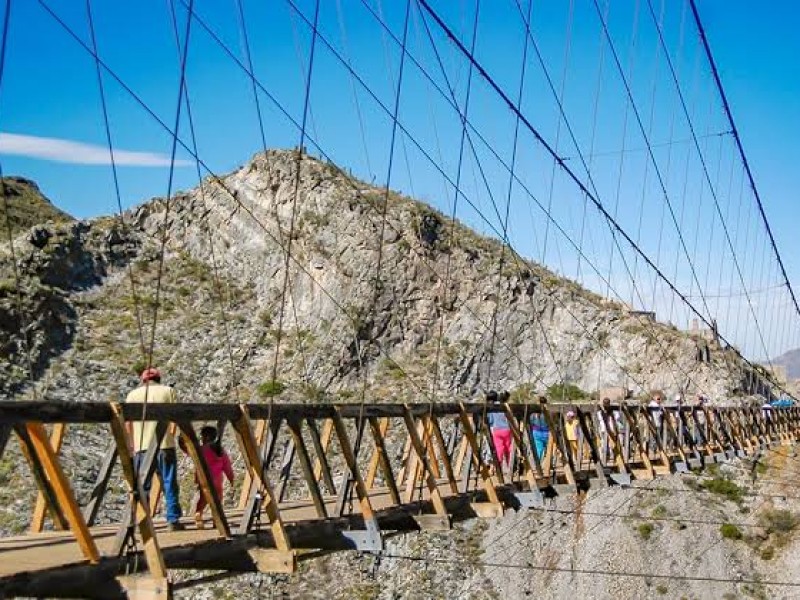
{"points": [[27, 206], [442, 316], [791, 361], [431, 311]]}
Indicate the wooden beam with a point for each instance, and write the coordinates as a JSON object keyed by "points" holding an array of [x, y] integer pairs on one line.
{"points": [[203, 478], [260, 433], [420, 450], [352, 465], [322, 449], [39, 475], [383, 427], [322, 470], [308, 471], [483, 470], [63, 490], [258, 473], [40, 508], [378, 432], [138, 497], [436, 430], [100, 485]]}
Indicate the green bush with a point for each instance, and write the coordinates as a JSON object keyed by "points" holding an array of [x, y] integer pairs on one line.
{"points": [[270, 388], [778, 520], [645, 530], [724, 487], [565, 392], [730, 531]]}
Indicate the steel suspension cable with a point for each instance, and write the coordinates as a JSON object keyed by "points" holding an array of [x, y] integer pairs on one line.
{"points": [[726, 106]]}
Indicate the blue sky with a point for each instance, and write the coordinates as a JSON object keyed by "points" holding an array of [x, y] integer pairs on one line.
{"points": [[49, 90]]}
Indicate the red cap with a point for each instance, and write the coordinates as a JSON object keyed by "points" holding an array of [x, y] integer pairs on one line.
{"points": [[150, 374]]}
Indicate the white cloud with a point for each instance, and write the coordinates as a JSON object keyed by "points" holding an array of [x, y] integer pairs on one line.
{"points": [[69, 151]]}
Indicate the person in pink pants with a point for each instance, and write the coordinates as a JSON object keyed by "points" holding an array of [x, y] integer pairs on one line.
{"points": [[219, 466]]}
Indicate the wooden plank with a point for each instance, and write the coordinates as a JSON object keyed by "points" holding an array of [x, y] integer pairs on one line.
{"points": [[63, 490], [39, 475], [322, 470], [203, 478], [40, 508], [258, 473], [138, 498], [308, 471], [100, 485], [421, 452], [378, 431]]}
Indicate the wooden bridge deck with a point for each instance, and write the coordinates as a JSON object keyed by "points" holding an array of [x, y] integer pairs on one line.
{"points": [[358, 473]]}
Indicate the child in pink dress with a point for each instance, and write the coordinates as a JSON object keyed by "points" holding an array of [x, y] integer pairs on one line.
{"points": [[219, 465]]}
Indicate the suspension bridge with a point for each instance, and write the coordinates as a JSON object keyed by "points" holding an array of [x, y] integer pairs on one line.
{"points": [[630, 179], [336, 487]]}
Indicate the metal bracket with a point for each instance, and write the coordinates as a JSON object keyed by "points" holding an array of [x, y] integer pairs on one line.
{"points": [[680, 466], [532, 499], [623, 479], [695, 463], [368, 539], [720, 457]]}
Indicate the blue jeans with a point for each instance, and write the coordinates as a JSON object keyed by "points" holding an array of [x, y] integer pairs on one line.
{"points": [[540, 443], [167, 469]]}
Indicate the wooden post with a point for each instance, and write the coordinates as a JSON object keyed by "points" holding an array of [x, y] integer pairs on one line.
{"points": [[100, 485], [436, 430], [350, 459], [63, 491], [42, 481], [372, 471], [483, 470], [383, 457], [203, 478], [138, 498], [523, 449], [420, 450], [37, 522], [321, 467], [247, 483], [257, 472], [305, 464], [322, 449]]}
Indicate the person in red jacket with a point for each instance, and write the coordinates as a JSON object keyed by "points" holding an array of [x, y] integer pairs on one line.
{"points": [[219, 466]]}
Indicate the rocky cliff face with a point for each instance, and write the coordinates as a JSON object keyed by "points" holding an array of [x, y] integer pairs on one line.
{"points": [[444, 315]]}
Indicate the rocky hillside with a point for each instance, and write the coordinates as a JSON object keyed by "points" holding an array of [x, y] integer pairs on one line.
{"points": [[443, 316], [27, 206]]}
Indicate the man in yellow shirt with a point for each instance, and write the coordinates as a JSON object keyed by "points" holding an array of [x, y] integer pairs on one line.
{"points": [[152, 391]]}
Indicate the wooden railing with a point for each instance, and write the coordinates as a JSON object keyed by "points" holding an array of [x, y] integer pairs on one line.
{"points": [[327, 476]]}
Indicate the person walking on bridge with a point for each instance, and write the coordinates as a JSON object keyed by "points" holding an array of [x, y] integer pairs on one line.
{"points": [[152, 391]]}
